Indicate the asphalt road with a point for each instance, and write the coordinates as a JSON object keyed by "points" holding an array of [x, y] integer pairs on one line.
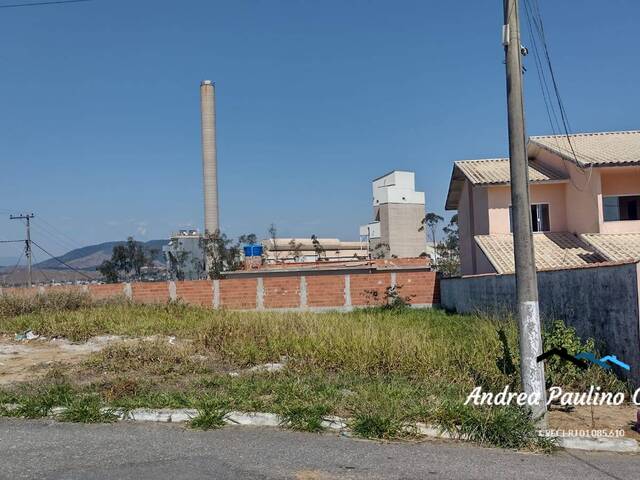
{"points": [[49, 450]]}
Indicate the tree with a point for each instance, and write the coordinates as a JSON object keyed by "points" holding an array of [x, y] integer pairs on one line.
{"points": [[221, 252], [248, 239], [381, 250], [430, 221], [125, 258], [137, 256], [177, 262], [449, 250], [318, 248], [109, 271], [295, 249], [273, 234]]}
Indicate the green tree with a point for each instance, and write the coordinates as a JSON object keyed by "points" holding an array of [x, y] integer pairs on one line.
{"points": [[109, 271], [449, 250], [273, 235], [221, 253], [430, 222], [381, 250], [125, 258], [295, 249], [318, 248], [249, 238]]}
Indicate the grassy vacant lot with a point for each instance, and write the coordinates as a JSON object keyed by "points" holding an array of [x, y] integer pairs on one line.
{"points": [[381, 368]]}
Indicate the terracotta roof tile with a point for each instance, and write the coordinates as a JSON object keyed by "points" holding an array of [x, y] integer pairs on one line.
{"points": [[597, 149], [495, 171], [615, 246], [554, 251]]}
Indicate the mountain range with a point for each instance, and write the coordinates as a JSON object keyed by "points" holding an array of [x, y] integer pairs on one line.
{"points": [[90, 257]]}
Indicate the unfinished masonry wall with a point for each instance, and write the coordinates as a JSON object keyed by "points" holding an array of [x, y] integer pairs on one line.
{"points": [[313, 290], [600, 302]]}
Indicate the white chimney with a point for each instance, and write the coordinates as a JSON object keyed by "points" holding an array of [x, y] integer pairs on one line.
{"points": [[209, 157]]}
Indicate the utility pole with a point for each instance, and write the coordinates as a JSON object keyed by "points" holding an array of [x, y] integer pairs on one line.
{"points": [[27, 248], [531, 372]]}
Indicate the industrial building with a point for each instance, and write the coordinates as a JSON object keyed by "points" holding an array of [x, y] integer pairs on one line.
{"points": [[184, 255], [398, 211], [295, 250]]}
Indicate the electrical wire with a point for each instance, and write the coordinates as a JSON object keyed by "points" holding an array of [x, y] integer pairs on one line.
{"points": [[35, 262], [62, 262], [40, 4], [8, 275], [64, 245], [59, 232], [558, 121]]}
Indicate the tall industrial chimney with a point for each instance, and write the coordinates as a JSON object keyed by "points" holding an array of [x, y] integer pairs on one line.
{"points": [[209, 158]]}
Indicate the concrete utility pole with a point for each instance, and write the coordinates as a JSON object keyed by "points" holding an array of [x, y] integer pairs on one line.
{"points": [[531, 371], [27, 248]]}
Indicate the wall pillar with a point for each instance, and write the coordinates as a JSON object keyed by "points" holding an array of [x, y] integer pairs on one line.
{"points": [[260, 294], [347, 291], [216, 293], [303, 292]]}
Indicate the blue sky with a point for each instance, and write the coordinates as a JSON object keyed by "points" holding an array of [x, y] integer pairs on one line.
{"points": [[100, 119]]}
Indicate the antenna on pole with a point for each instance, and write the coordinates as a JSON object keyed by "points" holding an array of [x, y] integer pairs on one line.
{"points": [[27, 247]]}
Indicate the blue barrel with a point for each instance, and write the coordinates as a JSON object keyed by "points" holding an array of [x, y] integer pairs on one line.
{"points": [[252, 250]]}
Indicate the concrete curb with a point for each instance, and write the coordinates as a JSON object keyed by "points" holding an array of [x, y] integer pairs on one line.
{"points": [[599, 444], [339, 424]]}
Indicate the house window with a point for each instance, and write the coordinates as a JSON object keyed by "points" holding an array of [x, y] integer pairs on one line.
{"points": [[539, 217], [626, 207]]}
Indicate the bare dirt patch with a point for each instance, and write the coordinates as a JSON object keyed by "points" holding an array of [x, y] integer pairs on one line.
{"points": [[27, 360], [603, 417]]}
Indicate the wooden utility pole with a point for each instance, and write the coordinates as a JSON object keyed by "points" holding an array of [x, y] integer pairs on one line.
{"points": [[531, 372], [27, 248]]}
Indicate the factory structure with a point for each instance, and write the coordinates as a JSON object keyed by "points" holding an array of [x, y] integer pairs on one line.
{"points": [[184, 253], [398, 211], [394, 232]]}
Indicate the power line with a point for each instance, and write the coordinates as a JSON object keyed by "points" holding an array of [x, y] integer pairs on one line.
{"points": [[59, 232], [64, 245], [62, 262], [13, 270], [559, 126], [40, 4]]}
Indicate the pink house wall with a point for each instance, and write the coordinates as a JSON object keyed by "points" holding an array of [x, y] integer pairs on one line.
{"points": [[619, 181], [473, 219], [552, 193], [583, 197]]}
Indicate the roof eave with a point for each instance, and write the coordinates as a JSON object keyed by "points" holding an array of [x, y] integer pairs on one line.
{"points": [[456, 184], [561, 154]]}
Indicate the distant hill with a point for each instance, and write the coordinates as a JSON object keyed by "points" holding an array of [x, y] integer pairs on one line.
{"points": [[90, 257], [8, 261]]}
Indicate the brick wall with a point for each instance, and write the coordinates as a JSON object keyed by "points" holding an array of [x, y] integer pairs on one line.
{"points": [[238, 293], [421, 287], [155, 292], [281, 292], [106, 290], [325, 290], [265, 291], [195, 292], [369, 289]]}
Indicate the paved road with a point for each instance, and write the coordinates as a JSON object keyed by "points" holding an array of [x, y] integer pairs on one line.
{"points": [[49, 450]]}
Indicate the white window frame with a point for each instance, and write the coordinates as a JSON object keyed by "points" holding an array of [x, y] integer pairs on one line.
{"points": [[532, 226]]}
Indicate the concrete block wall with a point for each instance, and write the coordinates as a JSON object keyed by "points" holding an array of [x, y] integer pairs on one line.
{"points": [[308, 290], [599, 302]]}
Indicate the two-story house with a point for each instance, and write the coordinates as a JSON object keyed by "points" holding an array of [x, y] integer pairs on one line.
{"points": [[585, 203]]}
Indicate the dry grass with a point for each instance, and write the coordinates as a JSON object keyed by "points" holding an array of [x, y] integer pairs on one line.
{"points": [[382, 368], [415, 343]]}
